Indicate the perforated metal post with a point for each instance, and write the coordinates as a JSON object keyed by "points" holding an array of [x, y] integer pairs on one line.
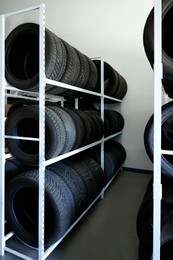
{"points": [[2, 129], [157, 191], [102, 109], [41, 130]]}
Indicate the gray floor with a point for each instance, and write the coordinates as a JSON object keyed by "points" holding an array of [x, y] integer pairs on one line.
{"points": [[107, 231]]}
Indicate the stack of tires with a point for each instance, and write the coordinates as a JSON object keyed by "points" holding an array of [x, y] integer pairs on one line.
{"points": [[63, 63], [70, 187]]}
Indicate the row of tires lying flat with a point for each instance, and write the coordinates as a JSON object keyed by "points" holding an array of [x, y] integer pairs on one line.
{"points": [[66, 129], [63, 63], [70, 186]]}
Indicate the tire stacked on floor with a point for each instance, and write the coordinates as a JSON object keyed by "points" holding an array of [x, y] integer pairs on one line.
{"points": [[144, 223], [70, 187], [167, 41]]}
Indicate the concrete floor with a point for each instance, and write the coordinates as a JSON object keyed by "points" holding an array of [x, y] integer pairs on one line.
{"points": [[108, 230]]}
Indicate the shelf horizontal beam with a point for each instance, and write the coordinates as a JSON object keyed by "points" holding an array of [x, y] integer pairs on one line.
{"points": [[63, 156], [25, 10], [21, 138], [14, 252], [167, 152]]}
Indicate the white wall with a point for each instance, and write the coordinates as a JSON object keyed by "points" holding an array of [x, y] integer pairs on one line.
{"points": [[113, 30]]}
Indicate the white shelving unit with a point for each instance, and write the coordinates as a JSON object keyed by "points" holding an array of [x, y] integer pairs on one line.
{"points": [[158, 151], [42, 253]]}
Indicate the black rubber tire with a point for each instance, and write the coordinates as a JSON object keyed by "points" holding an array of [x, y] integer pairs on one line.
{"points": [[115, 161], [96, 171], [121, 89], [146, 208], [72, 70], [56, 57], [71, 73], [114, 156], [145, 250], [114, 145], [88, 128], [22, 207], [109, 163], [167, 141], [82, 79], [110, 78], [167, 54], [11, 171], [148, 36], [91, 121], [85, 174], [93, 75], [79, 125], [69, 126], [20, 103], [117, 154], [75, 184], [84, 70], [22, 69], [19, 122], [115, 120], [112, 121], [98, 124]]}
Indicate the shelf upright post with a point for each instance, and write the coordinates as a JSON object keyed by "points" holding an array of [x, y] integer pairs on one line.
{"points": [[102, 116], [41, 131], [2, 134], [102, 108], [157, 188]]}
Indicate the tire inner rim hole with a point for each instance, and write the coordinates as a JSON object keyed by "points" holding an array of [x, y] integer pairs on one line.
{"points": [[166, 250], [167, 36], [23, 57], [26, 208], [28, 127], [167, 137]]}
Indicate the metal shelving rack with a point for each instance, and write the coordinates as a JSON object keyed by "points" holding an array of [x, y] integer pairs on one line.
{"points": [[42, 253]]}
